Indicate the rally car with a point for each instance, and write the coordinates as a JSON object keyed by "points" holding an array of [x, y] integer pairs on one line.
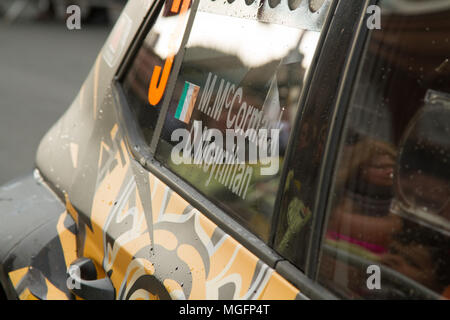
{"points": [[245, 150]]}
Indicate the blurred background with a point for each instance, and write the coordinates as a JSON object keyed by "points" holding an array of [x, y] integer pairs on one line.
{"points": [[42, 66]]}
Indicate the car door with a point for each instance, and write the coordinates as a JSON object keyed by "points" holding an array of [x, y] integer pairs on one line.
{"points": [[214, 78], [159, 215]]}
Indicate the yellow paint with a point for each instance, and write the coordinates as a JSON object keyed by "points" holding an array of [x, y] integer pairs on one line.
{"points": [[176, 205], [207, 225], [125, 209], [17, 275], [278, 288], [142, 294], [108, 190], [157, 200], [193, 259], [125, 153], [165, 238], [74, 154], [103, 147], [244, 265], [67, 239], [221, 257], [124, 258], [53, 293], [172, 285], [136, 269], [70, 209], [114, 131], [27, 295], [81, 101]]}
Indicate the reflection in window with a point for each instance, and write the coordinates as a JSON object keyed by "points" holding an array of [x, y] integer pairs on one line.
{"points": [[239, 85], [162, 41], [389, 204]]}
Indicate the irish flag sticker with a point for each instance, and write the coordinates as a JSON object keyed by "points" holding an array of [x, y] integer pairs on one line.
{"points": [[187, 102]]}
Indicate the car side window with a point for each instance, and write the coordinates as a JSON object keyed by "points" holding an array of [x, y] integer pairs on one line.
{"points": [[298, 195], [234, 102], [387, 234], [146, 79]]}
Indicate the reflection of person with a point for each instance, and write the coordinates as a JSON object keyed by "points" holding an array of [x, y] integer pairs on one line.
{"points": [[298, 194], [423, 255], [296, 217], [361, 215], [293, 221]]}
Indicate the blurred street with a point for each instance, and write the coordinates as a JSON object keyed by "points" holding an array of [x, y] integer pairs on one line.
{"points": [[42, 67]]}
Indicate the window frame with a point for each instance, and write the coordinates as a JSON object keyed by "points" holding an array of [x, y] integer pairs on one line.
{"points": [[350, 17], [144, 154], [334, 138]]}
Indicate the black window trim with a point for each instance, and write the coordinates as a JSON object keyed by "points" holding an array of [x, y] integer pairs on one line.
{"points": [[349, 22], [147, 23], [301, 106], [335, 135]]}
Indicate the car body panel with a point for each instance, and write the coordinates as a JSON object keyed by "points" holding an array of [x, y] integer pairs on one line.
{"points": [[38, 239]]}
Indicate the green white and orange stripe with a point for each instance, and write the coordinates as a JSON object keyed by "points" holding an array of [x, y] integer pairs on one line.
{"points": [[187, 102]]}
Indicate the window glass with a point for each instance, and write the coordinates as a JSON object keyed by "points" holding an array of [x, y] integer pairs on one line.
{"points": [[146, 80], [234, 102], [388, 226], [294, 225]]}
